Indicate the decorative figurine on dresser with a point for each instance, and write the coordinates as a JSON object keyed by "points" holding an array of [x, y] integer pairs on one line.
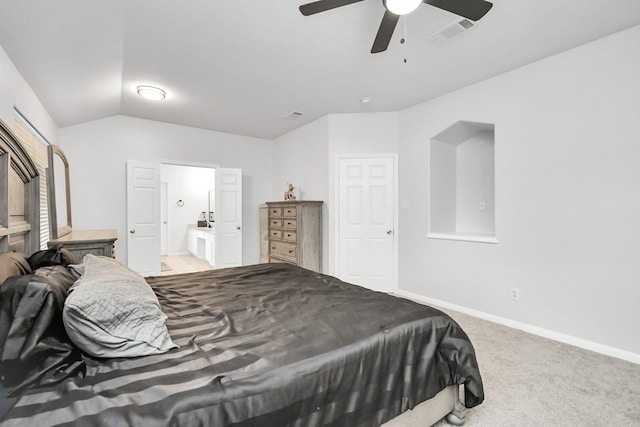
{"points": [[295, 233], [290, 193], [78, 242]]}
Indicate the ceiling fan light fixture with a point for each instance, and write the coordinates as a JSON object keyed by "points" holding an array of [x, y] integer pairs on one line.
{"points": [[401, 7], [151, 92]]}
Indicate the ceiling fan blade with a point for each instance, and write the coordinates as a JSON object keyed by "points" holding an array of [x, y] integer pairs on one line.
{"points": [[470, 9], [324, 5], [388, 24]]}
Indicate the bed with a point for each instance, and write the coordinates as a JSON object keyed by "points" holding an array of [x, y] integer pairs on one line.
{"points": [[260, 345]]}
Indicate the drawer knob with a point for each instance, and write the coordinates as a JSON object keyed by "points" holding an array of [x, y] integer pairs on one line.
{"points": [[132, 231]]}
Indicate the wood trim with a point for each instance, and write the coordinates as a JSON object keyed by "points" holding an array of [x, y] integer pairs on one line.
{"points": [[56, 231], [23, 233], [20, 160]]}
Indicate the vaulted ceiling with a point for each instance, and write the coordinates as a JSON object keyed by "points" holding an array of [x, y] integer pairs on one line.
{"points": [[242, 66]]}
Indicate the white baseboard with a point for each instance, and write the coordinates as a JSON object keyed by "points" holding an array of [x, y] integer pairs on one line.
{"points": [[546, 333]]}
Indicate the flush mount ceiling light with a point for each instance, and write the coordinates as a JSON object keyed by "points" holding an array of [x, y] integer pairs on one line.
{"points": [[151, 92], [401, 7]]}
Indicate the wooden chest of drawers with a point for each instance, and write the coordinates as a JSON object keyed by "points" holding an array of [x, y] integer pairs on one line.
{"points": [[295, 233], [82, 242]]}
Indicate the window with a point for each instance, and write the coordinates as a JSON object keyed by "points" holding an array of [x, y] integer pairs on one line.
{"points": [[462, 183], [36, 145]]}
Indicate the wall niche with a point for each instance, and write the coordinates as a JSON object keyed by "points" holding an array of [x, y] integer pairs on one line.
{"points": [[462, 183]]}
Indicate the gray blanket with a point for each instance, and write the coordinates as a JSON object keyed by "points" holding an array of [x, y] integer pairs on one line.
{"points": [[268, 345]]}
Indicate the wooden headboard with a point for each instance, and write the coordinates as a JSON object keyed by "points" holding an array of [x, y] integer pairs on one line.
{"points": [[19, 196]]}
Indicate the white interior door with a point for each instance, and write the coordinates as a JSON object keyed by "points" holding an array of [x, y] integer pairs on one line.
{"points": [[164, 218], [228, 218], [366, 222], [143, 217]]}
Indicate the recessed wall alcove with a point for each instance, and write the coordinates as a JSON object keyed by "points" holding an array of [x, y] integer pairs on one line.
{"points": [[462, 183]]}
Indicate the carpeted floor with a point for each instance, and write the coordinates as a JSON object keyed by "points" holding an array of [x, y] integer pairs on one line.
{"points": [[533, 381]]}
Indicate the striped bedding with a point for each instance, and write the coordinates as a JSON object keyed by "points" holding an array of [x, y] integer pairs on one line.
{"points": [[267, 345]]}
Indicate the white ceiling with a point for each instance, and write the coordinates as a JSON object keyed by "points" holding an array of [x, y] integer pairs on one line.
{"points": [[241, 66]]}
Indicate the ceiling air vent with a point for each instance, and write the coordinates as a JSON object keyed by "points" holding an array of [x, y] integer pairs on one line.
{"points": [[451, 31], [292, 115]]}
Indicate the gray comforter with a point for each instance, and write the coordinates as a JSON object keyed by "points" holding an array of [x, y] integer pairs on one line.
{"points": [[268, 345]]}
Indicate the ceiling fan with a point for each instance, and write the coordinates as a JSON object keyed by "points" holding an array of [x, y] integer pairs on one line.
{"points": [[470, 9]]}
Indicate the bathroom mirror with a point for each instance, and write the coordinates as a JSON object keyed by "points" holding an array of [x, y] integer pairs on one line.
{"points": [[58, 193]]}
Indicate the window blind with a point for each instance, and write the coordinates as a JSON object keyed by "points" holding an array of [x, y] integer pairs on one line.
{"points": [[36, 146]]}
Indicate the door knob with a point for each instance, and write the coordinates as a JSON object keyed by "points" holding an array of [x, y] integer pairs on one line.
{"points": [[133, 231]]}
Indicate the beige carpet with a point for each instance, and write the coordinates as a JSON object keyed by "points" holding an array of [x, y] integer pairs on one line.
{"points": [[533, 381]]}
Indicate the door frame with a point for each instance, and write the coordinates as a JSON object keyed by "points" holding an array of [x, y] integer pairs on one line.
{"points": [[164, 207], [159, 163], [336, 211], [217, 168]]}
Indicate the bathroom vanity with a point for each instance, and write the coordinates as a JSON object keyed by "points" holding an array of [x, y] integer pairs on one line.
{"points": [[201, 242]]}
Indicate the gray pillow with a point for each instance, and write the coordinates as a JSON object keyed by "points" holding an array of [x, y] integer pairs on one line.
{"points": [[13, 264], [111, 311]]}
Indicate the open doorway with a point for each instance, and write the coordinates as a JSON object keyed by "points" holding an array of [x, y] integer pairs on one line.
{"points": [[185, 204], [144, 217]]}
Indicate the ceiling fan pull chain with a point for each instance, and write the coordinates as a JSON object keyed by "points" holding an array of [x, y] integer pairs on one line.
{"points": [[404, 34]]}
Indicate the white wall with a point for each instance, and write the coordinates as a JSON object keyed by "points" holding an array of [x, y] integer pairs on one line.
{"points": [[307, 156], [475, 183], [300, 158], [98, 152], [191, 185], [16, 92], [567, 208]]}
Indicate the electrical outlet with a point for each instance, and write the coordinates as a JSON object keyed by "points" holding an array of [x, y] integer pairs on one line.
{"points": [[515, 294]]}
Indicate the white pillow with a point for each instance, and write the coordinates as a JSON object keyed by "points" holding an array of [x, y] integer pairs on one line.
{"points": [[111, 311]]}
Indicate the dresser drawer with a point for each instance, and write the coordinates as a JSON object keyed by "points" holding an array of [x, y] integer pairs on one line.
{"points": [[275, 234], [275, 212], [288, 236], [289, 212], [289, 224], [275, 223], [283, 250]]}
